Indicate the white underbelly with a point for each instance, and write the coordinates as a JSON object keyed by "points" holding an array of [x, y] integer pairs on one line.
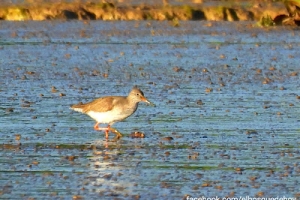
{"points": [[107, 117]]}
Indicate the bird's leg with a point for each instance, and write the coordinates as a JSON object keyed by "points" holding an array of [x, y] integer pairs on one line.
{"points": [[115, 131], [107, 129], [97, 128], [106, 132]]}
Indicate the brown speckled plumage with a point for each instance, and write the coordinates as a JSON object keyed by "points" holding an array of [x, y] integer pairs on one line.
{"points": [[111, 109]]}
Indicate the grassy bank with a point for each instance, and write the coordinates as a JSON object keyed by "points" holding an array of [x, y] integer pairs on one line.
{"points": [[218, 11]]}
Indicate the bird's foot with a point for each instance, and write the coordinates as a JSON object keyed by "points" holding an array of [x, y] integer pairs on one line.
{"points": [[116, 132]]}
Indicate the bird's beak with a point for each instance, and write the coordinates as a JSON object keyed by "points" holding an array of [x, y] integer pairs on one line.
{"points": [[144, 99]]}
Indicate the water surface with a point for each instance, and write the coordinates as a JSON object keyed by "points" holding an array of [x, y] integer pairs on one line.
{"points": [[226, 93]]}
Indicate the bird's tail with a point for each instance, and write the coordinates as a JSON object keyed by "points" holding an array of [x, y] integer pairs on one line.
{"points": [[77, 107]]}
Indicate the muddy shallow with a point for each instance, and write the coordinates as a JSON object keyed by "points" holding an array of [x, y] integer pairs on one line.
{"points": [[226, 120]]}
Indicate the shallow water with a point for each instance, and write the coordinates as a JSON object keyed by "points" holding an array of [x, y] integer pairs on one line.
{"points": [[242, 140]]}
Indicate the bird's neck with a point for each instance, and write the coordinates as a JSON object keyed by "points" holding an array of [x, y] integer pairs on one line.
{"points": [[131, 103]]}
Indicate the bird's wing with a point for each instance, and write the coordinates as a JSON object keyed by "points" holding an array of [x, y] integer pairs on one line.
{"points": [[99, 105]]}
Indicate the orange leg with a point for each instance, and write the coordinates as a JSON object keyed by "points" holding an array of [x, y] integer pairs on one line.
{"points": [[107, 129], [106, 132]]}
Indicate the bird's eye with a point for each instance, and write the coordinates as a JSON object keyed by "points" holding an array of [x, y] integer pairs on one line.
{"points": [[137, 94]]}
